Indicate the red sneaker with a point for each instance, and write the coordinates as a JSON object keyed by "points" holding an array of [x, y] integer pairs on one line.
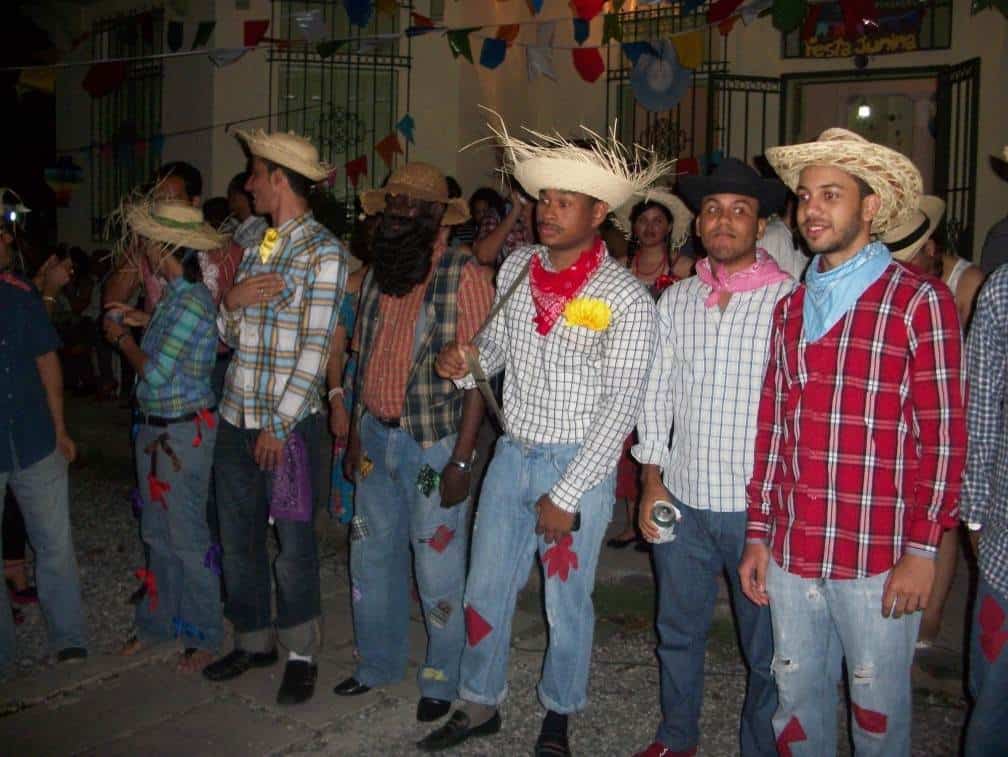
{"points": [[658, 749]]}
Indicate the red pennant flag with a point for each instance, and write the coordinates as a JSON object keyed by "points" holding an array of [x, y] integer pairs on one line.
{"points": [[587, 9], [421, 21], [588, 63], [356, 168], [727, 25], [255, 31], [508, 33], [104, 78], [792, 732], [688, 166], [476, 627], [388, 148], [441, 538], [857, 14], [560, 559], [811, 21], [721, 9]]}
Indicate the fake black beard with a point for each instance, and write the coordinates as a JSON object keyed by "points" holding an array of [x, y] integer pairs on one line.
{"points": [[401, 251]]}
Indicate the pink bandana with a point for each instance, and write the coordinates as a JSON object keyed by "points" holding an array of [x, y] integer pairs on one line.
{"points": [[763, 272]]}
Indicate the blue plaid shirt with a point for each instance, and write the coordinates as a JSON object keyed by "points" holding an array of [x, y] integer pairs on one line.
{"points": [[985, 489], [181, 347]]}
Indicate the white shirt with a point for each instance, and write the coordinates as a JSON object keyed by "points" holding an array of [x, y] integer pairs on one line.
{"points": [[778, 240], [574, 385], [705, 387]]}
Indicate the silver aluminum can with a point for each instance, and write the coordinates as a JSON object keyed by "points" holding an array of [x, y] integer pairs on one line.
{"points": [[666, 517]]}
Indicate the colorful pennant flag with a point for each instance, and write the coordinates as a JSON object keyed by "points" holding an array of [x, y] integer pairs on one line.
{"points": [[459, 44], [104, 78], [388, 148], [358, 11], [329, 48], [405, 127], [508, 33], [174, 35], [255, 31], [493, 52], [355, 169], [534, 6], [588, 62], [221, 58], [721, 10], [203, 32], [634, 50], [40, 79], [539, 58], [388, 7], [689, 49], [587, 9], [581, 30]]}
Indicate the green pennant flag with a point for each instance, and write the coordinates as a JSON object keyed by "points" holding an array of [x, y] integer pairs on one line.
{"points": [[611, 28], [458, 42], [203, 32], [330, 48]]}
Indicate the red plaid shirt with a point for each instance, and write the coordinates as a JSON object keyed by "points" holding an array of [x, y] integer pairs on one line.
{"points": [[861, 436]]}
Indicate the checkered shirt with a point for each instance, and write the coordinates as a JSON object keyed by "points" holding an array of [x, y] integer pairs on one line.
{"points": [[282, 347], [861, 436], [985, 488], [705, 388], [574, 385]]}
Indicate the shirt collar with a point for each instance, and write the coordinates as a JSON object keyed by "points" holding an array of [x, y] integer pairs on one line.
{"points": [[294, 223]]}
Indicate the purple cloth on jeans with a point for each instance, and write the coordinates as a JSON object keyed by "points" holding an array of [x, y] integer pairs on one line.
{"points": [[291, 498]]}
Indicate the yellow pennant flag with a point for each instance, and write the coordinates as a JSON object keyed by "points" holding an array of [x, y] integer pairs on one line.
{"points": [[42, 79], [689, 48]]}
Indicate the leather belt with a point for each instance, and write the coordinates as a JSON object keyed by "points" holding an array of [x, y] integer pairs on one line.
{"points": [[388, 422], [159, 421]]}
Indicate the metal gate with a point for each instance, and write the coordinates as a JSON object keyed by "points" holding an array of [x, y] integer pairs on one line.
{"points": [[743, 115], [957, 121]]}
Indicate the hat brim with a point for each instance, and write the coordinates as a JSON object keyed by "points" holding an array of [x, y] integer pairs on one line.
{"points": [[263, 146], [906, 239], [658, 100], [196, 236], [456, 209], [890, 174], [544, 172], [770, 193], [682, 218]]}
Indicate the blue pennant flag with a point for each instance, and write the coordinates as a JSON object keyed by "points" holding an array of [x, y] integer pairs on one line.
{"points": [[405, 127], [581, 30], [493, 52]]}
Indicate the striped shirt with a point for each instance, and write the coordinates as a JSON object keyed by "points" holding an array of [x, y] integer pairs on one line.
{"points": [[282, 347], [705, 388], [861, 435], [574, 385], [181, 345], [985, 488]]}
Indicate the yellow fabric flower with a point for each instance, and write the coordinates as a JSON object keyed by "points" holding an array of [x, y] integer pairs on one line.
{"points": [[268, 245], [588, 312]]}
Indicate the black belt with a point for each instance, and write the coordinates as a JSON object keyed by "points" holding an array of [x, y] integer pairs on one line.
{"points": [[388, 422], [157, 420]]}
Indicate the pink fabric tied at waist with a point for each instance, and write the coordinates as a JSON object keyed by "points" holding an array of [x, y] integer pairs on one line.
{"points": [[763, 272]]}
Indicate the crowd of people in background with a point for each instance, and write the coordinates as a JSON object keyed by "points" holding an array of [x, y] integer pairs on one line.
{"points": [[764, 371]]}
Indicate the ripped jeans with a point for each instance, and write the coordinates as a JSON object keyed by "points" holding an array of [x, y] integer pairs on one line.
{"points": [[816, 624], [397, 510]]}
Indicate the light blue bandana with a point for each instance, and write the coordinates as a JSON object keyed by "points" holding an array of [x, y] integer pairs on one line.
{"points": [[830, 294]]}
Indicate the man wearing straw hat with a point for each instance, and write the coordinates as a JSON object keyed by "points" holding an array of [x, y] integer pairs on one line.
{"points": [[859, 451], [415, 434], [714, 334], [576, 334], [278, 318]]}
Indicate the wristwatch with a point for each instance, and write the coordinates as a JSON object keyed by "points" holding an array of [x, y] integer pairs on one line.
{"points": [[464, 465]]}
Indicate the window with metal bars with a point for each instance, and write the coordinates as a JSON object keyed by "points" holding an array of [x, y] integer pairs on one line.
{"points": [[680, 131], [125, 122], [902, 26], [348, 100]]}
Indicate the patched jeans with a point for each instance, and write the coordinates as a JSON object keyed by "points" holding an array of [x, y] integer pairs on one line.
{"points": [[174, 527], [42, 492], [987, 731], [398, 508], [504, 544], [816, 624], [708, 544]]}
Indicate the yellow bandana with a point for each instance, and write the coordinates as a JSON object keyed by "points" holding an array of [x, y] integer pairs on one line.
{"points": [[268, 244], [588, 312]]}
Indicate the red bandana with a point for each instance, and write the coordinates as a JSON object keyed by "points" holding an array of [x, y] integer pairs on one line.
{"points": [[552, 290]]}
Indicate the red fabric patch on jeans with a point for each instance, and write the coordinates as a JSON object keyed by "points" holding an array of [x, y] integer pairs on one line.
{"points": [[560, 559], [476, 627], [440, 539], [869, 720], [158, 489], [992, 638], [792, 732]]}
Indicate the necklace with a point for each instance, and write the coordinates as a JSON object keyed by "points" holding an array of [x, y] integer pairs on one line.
{"points": [[662, 265]]}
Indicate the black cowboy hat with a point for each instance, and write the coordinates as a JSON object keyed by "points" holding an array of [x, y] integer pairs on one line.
{"points": [[732, 176]]}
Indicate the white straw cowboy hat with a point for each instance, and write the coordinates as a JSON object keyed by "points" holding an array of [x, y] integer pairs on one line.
{"points": [[172, 224], [420, 181], [890, 174], [906, 239], [288, 149], [682, 217], [605, 169]]}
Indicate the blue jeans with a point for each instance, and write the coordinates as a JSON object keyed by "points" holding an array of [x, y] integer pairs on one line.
{"points": [[504, 543], [987, 731], [243, 491], [818, 622], [707, 545], [42, 491], [177, 537], [397, 516]]}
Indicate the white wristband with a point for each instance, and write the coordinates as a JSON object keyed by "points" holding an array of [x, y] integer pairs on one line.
{"points": [[336, 391]]}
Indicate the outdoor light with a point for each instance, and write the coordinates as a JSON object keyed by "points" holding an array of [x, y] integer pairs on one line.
{"points": [[864, 111], [12, 216]]}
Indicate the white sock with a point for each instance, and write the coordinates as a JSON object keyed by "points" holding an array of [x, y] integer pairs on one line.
{"points": [[295, 656]]}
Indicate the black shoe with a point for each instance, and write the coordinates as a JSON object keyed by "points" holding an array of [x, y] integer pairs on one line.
{"points": [[351, 687], [552, 745], [615, 543], [457, 730], [298, 682], [71, 654], [429, 709], [237, 662]]}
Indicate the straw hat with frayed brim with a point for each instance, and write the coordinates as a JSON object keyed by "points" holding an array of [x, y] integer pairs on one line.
{"points": [[419, 181], [906, 239], [605, 170], [289, 150], [682, 218], [173, 224], [890, 174], [732, 176]]}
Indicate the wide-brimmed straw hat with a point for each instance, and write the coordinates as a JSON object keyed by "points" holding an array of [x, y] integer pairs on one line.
{"points": [[172, 224], [682, 218], [906, 239], [732, 176], [420, 181], [288, 149], [605, 169], [890, 174]]}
